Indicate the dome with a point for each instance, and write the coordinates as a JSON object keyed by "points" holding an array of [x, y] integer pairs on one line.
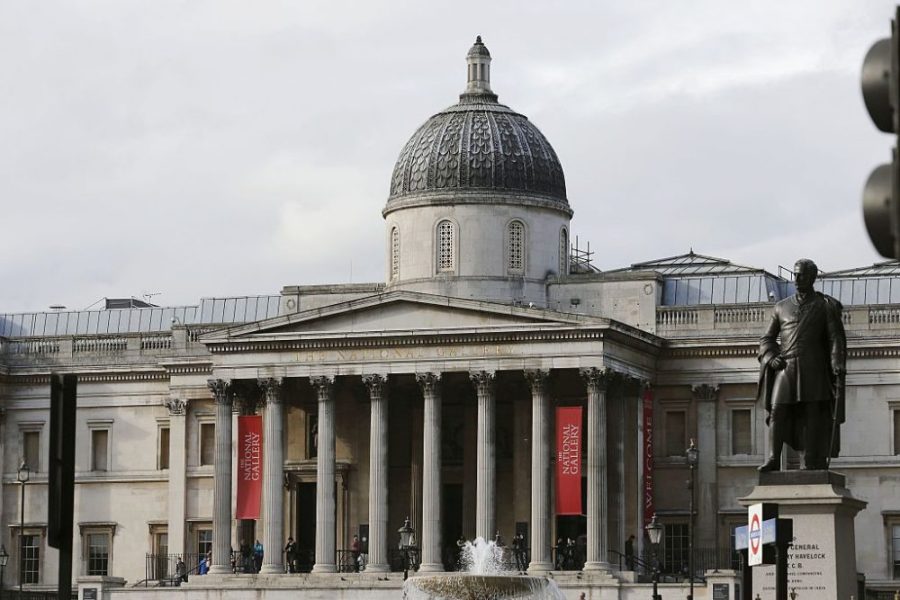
{"points": [[478, 145]]}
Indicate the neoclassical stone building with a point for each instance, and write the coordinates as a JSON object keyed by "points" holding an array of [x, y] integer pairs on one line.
{"points": [[432, 395]]}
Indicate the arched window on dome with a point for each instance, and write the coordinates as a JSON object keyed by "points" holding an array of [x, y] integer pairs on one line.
{"points": [[395, 253], [515, 248], [563, 252], [446, 247]]}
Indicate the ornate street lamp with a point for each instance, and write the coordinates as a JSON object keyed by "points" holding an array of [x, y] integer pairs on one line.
{"points": [[23, 476], [4, 560], [406, 542], [693, 456], [655, 532]]}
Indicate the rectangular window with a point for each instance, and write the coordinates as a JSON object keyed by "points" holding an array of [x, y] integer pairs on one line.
{"points": [[99, 450], [207, 443], [676, 541], [741, 438], [31, 563], [31, 449], [97, 548], [163, 453], [895, 551], [897, 432], [676, 426], [204, 541]]}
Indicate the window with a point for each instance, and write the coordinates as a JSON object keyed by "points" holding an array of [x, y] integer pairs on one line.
{"points": [[207, 443], [563, 252], [675, 432], [515, 247], [162, 461], [31, 449], [97, 552], [741, 435], [204, 541], [897, 432], [677, 542], [31, 562], [99, 450], [395, 253], [446, 246]]}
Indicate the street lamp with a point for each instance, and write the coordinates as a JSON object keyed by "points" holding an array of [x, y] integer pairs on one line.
{"points": [[23, 476], [655, 532], [693, 455], [4, 559], [406, 542]]}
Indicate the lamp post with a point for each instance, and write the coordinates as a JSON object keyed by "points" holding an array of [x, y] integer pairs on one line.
{"points": [[693, 455], [4, 559], [406, 536], [23, 476], [654, 532]]}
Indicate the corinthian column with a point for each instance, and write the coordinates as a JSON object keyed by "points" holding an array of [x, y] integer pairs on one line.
{"points": [[221, 558], [273, 471], [177, 473], [431, 473], [325, 516], [540, 472], [485, 490], [597, 381], [378, 474]]}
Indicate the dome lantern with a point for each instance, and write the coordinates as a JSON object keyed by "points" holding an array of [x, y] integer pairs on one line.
{"points": [[478, 69]]}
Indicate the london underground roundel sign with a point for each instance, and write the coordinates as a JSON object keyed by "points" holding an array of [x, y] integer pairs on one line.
{"points": [[754, 535]]}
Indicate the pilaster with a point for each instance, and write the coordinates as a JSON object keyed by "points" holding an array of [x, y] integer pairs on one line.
{"points": [[706, 401], [177, 473]]}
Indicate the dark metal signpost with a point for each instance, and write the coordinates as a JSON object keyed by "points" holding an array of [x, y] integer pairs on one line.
{"points": [[764, 541]]}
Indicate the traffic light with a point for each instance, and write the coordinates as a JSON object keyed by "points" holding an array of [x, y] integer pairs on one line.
{"points": [[881, 93]]}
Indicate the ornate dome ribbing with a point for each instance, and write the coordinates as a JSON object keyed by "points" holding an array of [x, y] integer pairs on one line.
{"points": [[479, 145]]}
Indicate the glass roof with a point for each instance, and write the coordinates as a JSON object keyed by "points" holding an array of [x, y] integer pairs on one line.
{"points": [[210, 311]]}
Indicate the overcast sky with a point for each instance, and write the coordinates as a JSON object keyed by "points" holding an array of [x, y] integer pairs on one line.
{"points": [[207, 148]]}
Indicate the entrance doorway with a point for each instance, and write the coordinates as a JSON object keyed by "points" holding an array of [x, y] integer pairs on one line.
{"points": [[306, 526], [451, 524]]}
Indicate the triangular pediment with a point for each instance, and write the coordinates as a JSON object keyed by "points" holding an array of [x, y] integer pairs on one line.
{"points": [[400, 311]]}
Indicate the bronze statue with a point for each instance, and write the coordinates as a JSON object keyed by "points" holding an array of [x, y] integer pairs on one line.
{"points": [[803, 358]]}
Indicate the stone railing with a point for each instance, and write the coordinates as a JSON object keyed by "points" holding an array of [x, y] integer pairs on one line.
{"points": [[751, 319], [135, 347]]}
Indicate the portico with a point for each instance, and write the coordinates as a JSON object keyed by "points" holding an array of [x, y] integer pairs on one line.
{"points": [[504, 362]]}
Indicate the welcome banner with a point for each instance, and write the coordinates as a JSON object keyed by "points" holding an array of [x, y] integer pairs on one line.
{"points": [[647, 456], [249, 475], [568, 460]]}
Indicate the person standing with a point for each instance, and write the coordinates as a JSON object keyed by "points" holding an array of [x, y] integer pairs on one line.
{"points": [[257, 556], [354, 552], [629, 553], [290, 555]]}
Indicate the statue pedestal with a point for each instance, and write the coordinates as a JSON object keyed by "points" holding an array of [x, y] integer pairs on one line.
{"points": [[822, 560]]}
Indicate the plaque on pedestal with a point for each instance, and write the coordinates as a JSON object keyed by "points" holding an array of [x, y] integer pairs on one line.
{"points": [[822, 559]]}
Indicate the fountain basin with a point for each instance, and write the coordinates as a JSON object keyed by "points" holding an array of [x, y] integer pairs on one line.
{"points": [[468, 586]]}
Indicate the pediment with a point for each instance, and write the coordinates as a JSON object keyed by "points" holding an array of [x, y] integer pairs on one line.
{"points": [[399, 311]]}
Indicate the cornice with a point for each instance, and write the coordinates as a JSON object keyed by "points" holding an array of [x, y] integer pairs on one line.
{"points": [[44, 378]]}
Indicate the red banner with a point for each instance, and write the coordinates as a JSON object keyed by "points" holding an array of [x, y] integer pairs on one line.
{"points": [[249, 467], [647, 456], [568, 460]]}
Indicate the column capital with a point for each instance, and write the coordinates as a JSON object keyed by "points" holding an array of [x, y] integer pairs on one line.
{"points": [[705, 392], [376, 384], [429, 381], [483, 380], [271, 389], [597, 379], [223, 392], [537, 379], [177, 406], [324, 385]]}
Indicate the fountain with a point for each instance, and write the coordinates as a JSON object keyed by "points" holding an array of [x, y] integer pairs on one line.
{"points": [[485, 577]]}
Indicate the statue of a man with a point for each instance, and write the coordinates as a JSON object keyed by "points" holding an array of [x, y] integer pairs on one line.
{"points": [[802, 360]]}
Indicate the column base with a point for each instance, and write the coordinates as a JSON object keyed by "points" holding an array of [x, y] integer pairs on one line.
{"points": [[324, 568], [596, 566], [272, 569], [431, 568], [219, 570], [540, 567], [374, 568]]}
